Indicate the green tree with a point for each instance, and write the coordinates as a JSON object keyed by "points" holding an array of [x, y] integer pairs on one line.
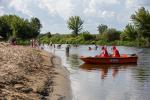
{"points": [[49, 35], [35, 27], [15, 26], [24, 30], [130, 31], [141, 20], [111, 34], [76, 24], [87, 36], [102, 28], [4, 28]]}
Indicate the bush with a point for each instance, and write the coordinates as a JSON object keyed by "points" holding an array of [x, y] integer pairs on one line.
{"points": [[111, 35], [22, 42], [87, 36]]}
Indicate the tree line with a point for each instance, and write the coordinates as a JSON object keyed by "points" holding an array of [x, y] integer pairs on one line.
{"points": [[136, 33], [17, 27]]}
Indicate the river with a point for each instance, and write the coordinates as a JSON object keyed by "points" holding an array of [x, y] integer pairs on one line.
{"points": [[107, 82]]}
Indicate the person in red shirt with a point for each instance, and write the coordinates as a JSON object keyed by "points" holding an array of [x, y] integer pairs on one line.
{"points": [[115, 52], [104, 52]]}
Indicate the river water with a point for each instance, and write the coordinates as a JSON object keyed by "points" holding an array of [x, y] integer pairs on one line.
{"points": [[107, 82]]}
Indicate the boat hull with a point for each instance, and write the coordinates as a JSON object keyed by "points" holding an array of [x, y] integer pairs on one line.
{"points": [[109, 60]]}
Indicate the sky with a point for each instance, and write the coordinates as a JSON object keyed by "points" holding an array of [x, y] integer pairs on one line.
{"points": [[54, 14]]}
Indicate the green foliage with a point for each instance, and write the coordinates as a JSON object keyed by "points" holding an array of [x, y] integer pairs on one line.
{"points": [[23, 42], [69, 39], [87, 36], [5, 26], [14, 26], [102, 28], [49, 35], [130, 32], [111, 35], [136, 33], [44, 39], [76, 24], [141, 20], [35, 27]]}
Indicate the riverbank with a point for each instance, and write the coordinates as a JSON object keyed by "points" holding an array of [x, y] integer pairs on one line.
{"points": [[32, 74], [66, 39]]}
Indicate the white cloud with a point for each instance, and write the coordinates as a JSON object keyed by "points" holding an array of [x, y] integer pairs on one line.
{"points": [[115, 13], [101, 2], [90, 12], [21, 6], [132, 3], [93, 8], [104, 14], [1, 11], [137, 3], [108, 14], [63, 8]]}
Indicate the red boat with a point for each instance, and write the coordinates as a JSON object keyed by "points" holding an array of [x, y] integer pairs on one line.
{"points": [[123, 59]]}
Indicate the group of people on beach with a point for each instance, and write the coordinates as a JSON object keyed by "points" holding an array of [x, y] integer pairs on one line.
{"points": [[104, 52], [34, 43]]}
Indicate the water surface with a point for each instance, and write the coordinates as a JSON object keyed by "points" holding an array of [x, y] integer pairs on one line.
{"points": [[107, 82]]}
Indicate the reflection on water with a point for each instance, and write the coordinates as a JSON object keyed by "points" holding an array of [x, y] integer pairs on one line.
{"points": [[107, 82], [104, 68]]}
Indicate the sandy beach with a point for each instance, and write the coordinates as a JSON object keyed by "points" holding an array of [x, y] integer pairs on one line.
{"points": [[31, 74]]}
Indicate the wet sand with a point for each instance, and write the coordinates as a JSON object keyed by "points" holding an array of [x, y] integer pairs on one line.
{"points": [[32, 74]]}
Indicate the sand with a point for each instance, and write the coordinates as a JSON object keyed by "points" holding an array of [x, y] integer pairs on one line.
{"points": [[31, 74]]}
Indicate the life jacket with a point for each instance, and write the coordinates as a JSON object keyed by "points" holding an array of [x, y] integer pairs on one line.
{"points": [[116, 53], [104, 53]]}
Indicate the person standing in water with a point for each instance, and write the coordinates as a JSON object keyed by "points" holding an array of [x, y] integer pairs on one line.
{"points": [[96, 47]]}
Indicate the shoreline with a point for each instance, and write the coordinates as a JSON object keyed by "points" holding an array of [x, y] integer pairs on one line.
{"points": [[62, 88], [31, 74]]}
